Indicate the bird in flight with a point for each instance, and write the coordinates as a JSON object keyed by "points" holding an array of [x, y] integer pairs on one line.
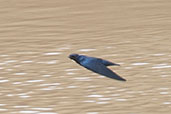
{"points": [[96, 65]]}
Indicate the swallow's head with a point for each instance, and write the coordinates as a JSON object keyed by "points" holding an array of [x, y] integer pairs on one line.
{"points": [[73, 56]]}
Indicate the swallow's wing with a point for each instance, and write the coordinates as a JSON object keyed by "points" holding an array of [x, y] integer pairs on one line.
{"points": [[97, 67], [108, 63]]}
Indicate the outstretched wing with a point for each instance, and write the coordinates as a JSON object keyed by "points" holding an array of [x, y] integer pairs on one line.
{"points": [[100, 68], [108, 63]]}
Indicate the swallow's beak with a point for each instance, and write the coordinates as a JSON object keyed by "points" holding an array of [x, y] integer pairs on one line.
{"points": [[70, 56], [73, 56]]}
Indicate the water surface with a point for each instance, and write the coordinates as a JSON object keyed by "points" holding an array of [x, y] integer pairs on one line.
{"points": [[36, 37]]}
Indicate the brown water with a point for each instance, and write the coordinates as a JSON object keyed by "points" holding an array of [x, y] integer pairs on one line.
{"points": [[36, 37]]}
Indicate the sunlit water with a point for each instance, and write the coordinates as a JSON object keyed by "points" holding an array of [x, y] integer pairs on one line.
{"points": [[37, 77]]}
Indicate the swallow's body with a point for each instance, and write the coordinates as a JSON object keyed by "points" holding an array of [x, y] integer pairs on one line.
{"points": [[96, 65]]}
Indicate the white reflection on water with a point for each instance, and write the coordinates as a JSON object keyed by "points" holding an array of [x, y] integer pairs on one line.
{"points": [[139, 63], [161, 66], [10, 61], [16, 66], [47, 113], [115, 95], [159, 54], [29, 112], [10, 95], [44, 109], [46, 75], [164, 93], [70, 73], [163, 76], [50, 84], [52, 62], [86, 50], [3, 104], [111, 88], [89, 101], [167, 103], [121, 89], [25, 95], [3, 63], [32, 81], [9, 69], [49, 88], [71, 70], [95, 95], [102, 102], [52, 53], [20, 73], [48, 62], [21, 106], [128, 67], [4, 55], [92, 113], [28, 61], [82, 78], [105, 99], [72, 86], [17, 83], [121, 99], [2, 81], [3, 109], [164, 88]]}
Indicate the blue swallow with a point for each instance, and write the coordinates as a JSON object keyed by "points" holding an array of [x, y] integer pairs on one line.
{"points": [[96, 65]]}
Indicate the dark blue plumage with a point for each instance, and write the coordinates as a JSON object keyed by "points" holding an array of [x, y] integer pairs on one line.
{"points": [[96, 65]]}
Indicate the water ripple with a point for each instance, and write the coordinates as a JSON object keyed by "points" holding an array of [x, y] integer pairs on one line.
{"points": [[3, 104], [44, 109], [92, 113], [50, 84], [72, 86], [86, 50], [71, 70], [167, 103], [89, 101], [3, 109], [102, 102], [52, 53], [32, 81], [159, 54], [20, 73], [47, 113], [121, 99], [21, 106], [164, 93], [95, 96], [29, 112], [137, 64], [83, 78], [105, 99], [2, 81], [28, 61], [161, 66]]}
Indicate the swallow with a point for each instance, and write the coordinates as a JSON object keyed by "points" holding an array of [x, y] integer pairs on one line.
{"points": [[96, 65]]}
